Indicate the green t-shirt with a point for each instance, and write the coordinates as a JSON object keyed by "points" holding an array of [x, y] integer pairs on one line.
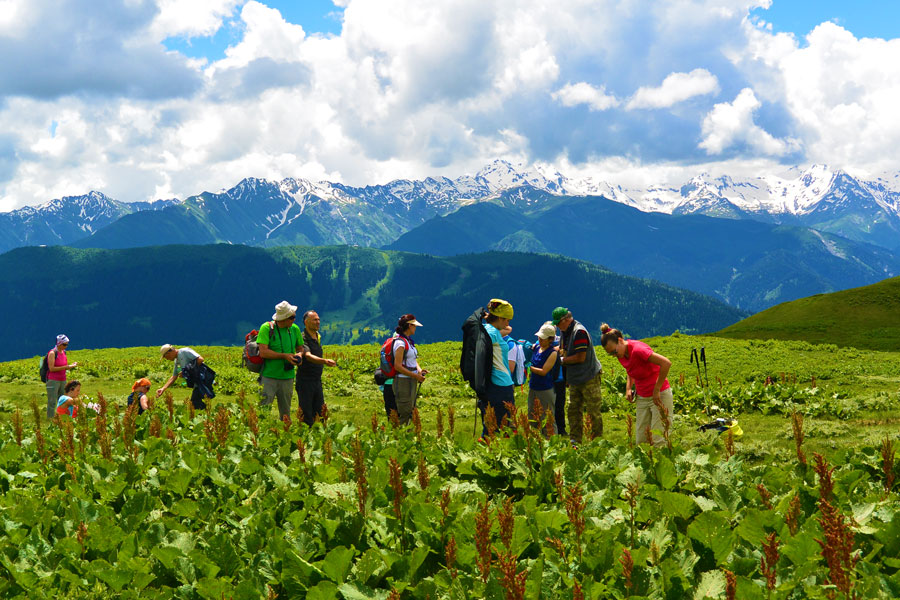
{"points": [[286, 339]]}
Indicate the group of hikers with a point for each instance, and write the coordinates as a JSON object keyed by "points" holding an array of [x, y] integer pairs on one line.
{"points": [[563, 360]]}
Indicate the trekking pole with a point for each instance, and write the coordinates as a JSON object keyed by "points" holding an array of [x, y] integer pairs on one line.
{"points": [[705, 372], [695, 357]]}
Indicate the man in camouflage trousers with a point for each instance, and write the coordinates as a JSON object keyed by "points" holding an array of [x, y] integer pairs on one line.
{"points": [[583, 374]]}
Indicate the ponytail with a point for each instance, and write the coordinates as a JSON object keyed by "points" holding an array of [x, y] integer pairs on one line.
{"points": [[608, 334]]}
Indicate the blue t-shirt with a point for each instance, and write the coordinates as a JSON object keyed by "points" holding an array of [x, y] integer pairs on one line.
{"points": [[541, 382], [500, 373]]}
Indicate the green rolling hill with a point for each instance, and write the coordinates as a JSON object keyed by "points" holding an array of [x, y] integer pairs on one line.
{"points": [[864, 317], [214, 294]]}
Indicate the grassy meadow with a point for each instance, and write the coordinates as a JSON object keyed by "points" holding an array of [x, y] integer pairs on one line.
{"points": [[855, 399], [231, 503]]}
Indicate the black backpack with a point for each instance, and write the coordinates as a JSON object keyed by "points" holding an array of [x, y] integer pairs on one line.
{"points": [[477, 359], [45, 368]]}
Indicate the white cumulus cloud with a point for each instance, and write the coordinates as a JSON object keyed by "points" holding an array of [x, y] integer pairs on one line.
{"points": [[575, 94], [675, 88], [731, 123]]}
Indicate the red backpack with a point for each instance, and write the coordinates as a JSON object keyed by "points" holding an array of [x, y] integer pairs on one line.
{"points": [[388, 368], [251, 359]]}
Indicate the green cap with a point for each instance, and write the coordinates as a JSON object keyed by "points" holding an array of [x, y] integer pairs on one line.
{"points": [[559, 313]]}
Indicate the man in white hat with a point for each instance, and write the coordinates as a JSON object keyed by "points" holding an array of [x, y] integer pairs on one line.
{"points": [[281, 347]]}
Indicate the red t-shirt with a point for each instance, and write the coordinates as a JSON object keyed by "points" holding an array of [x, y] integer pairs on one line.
{"points": [[640, 369]]}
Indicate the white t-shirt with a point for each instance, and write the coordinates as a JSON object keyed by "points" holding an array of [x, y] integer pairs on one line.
{"points": [[409, 359]]}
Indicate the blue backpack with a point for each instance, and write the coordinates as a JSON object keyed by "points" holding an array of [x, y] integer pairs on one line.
{"points": [[523, 359]]}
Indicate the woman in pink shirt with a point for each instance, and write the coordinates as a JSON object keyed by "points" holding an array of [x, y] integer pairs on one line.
{"points": [[647, 372], [57, 365]]}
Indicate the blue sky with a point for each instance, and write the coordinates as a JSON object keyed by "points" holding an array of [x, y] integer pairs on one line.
{"points": [[315, 16], [864, 18], [139, 100]]}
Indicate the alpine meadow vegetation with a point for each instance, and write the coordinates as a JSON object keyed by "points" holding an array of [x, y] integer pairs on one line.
{"points": [[230, 502]]}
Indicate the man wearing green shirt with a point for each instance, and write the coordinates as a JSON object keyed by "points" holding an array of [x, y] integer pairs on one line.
{"points": [[281, 347]]}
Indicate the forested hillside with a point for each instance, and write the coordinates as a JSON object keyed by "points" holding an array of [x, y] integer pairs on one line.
{"points": [[214, 294]]}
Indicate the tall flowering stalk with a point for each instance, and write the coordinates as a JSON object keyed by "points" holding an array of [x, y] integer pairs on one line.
{"points": [[396, 480], [826, 481], [128, 427], [837, 548], [730, 584], [253, 424], [422, 474], [17, 425], [664, 415], [627, 562], [513, 582], [490, 420], [483, 540], [632, 491], [629, 427], [451, 419], [729, 444], [765, 495], [769, 560], [450, 556], [440, 423], [417, 424], [575, 505], [792, 516], [301, 450]]}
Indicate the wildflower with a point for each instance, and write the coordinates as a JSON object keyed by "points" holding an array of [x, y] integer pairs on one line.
{"points": [[792, 515], [451, 418], [768, 560], [450, 556], [483, 540], [397, 486], [765, 494], [422, 474], [627, 563], [440, 423]]}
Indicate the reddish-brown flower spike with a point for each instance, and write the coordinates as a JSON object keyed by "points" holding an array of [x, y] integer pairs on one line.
{"points": [[730, 585], [826, 482], [792, 516], [577, 593], [507, 520], [769, 560], [451, 419], [627, 563], [440, 423], [765, 494], [450, 556], [397, 486], [483, 540], [629, 426], [422, 473]]}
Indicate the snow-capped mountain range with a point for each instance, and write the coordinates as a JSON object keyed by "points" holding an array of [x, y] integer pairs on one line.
{"points": [[262, 212]]}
